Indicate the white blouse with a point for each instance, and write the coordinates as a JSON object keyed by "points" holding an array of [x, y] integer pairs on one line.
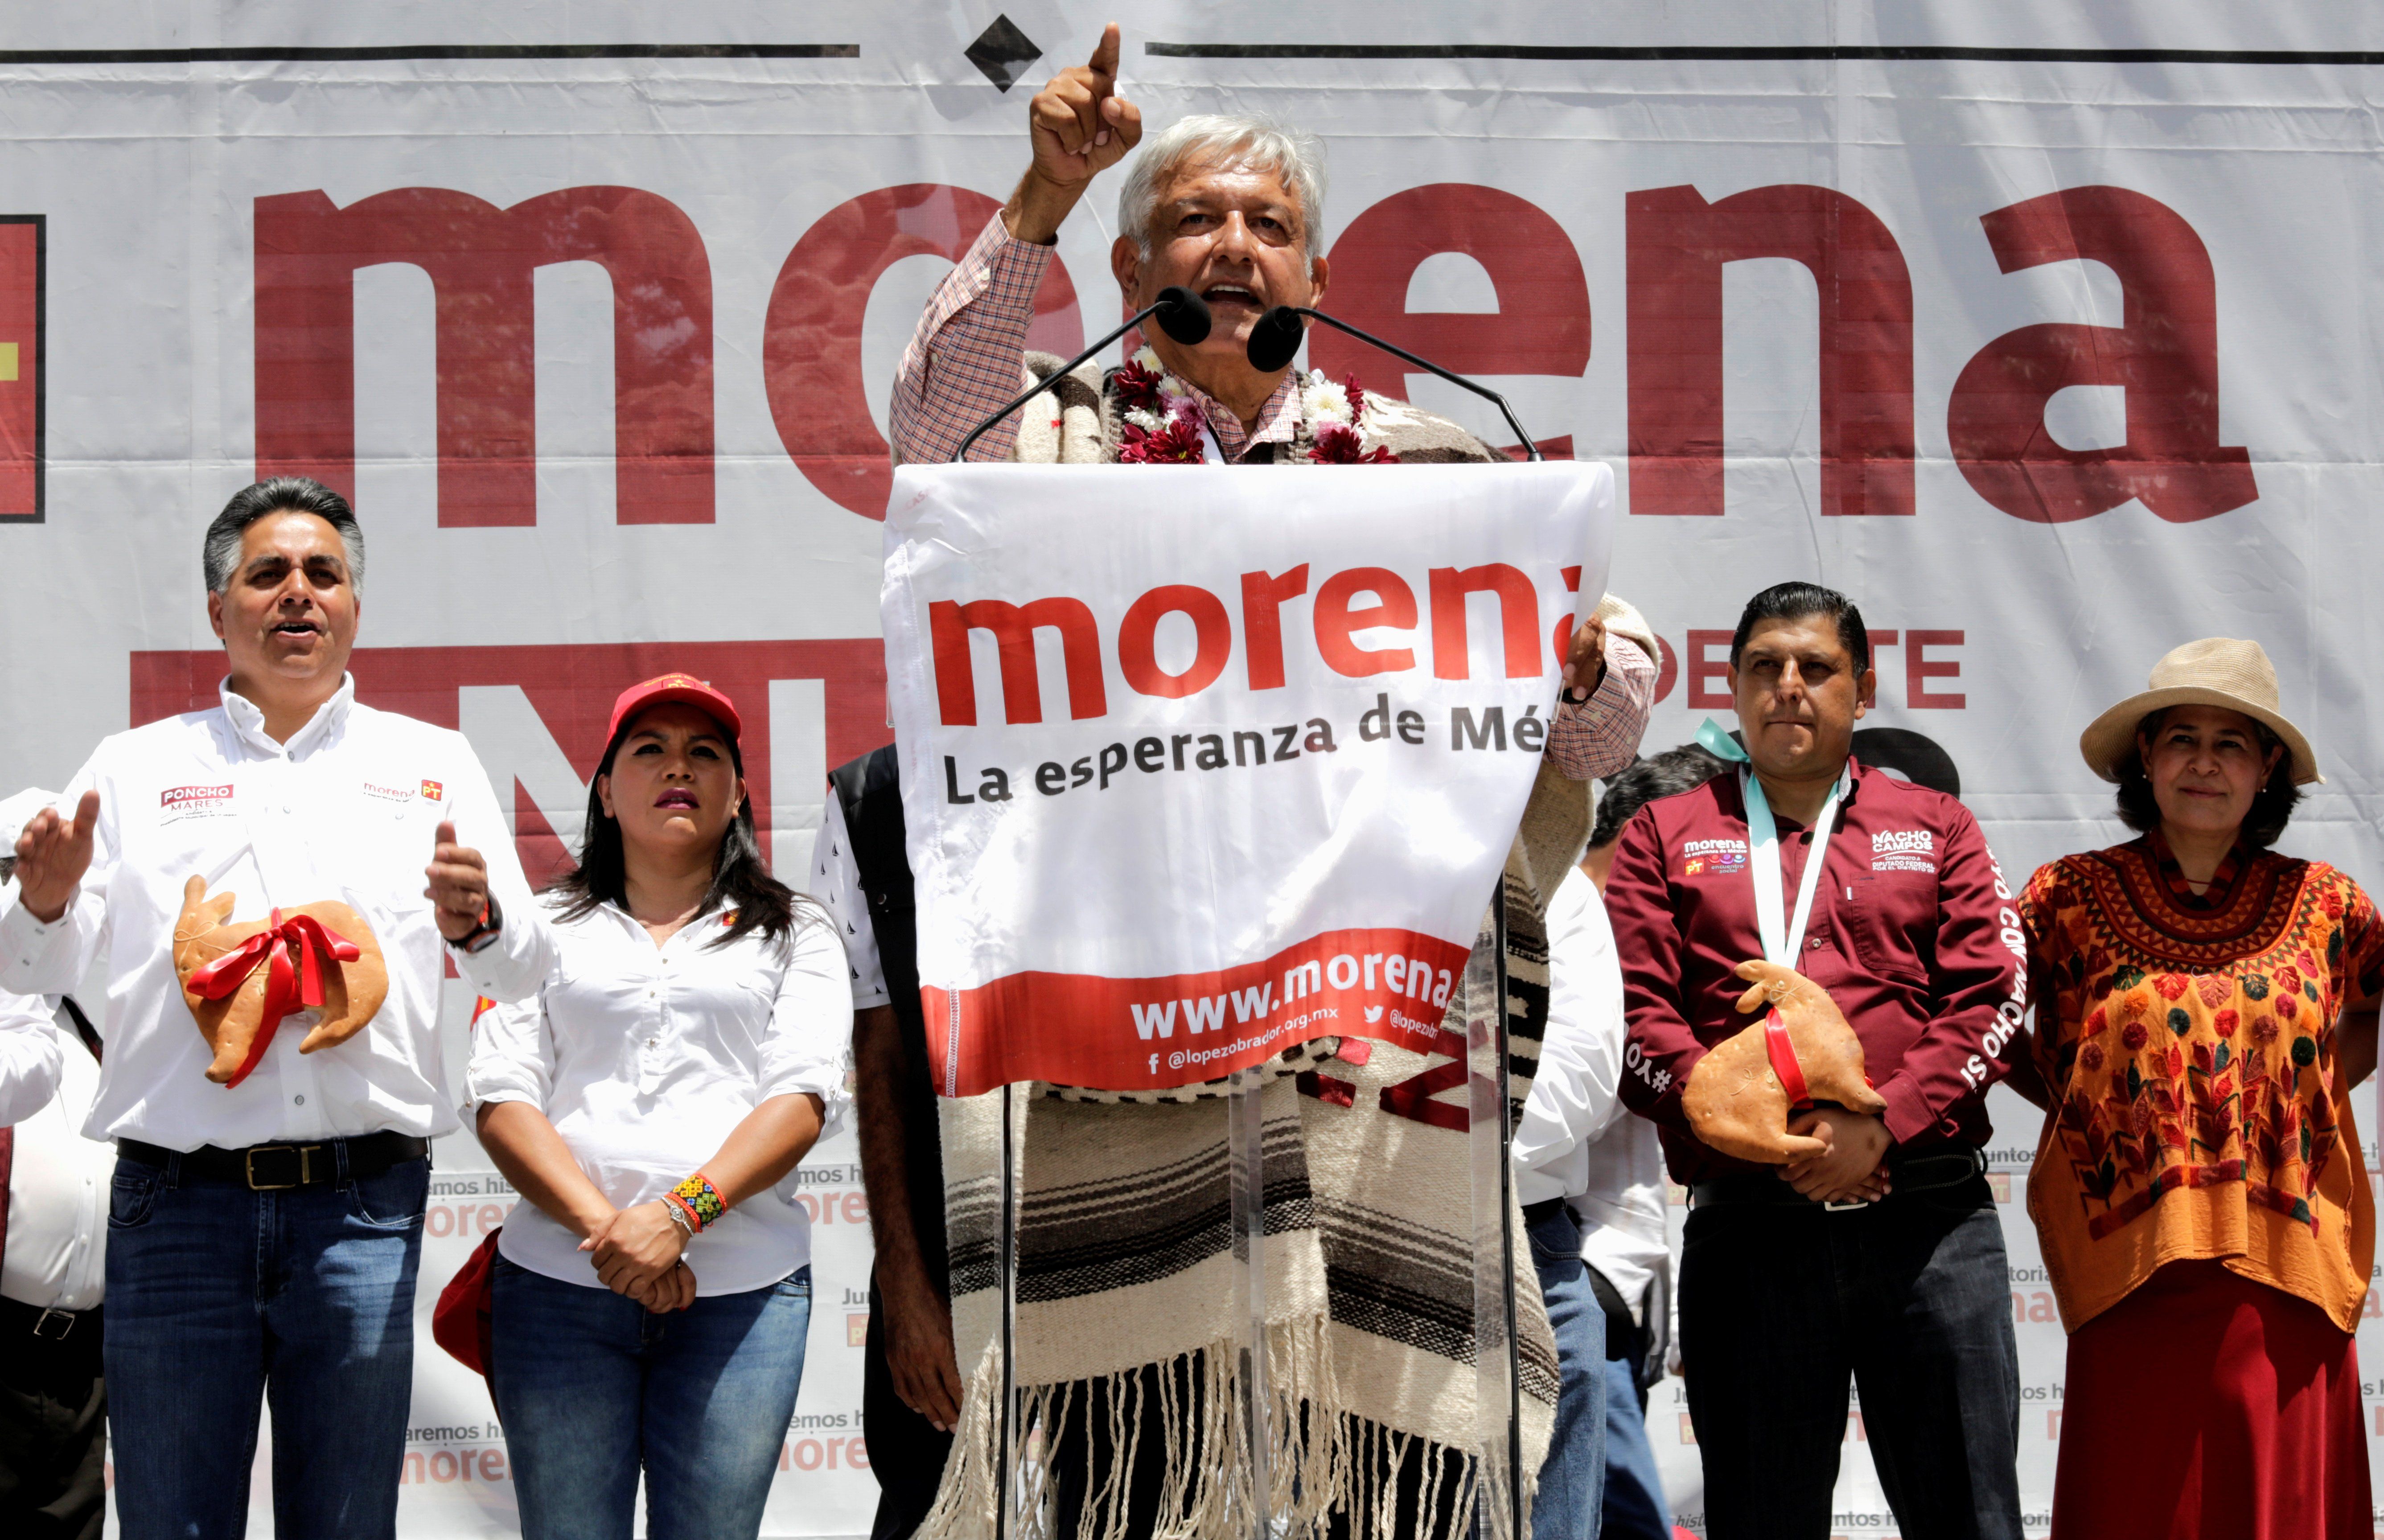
{"points": [[645, 1057]]}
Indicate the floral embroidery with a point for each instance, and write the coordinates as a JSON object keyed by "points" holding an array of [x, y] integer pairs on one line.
{"points": [[2113, 936]]}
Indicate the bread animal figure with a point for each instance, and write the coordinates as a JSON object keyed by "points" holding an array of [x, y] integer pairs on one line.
{"points": [[324, 950], [1736, 1100]]}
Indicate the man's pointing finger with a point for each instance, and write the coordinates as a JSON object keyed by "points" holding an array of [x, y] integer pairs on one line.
{"points": [[1104, 61]]}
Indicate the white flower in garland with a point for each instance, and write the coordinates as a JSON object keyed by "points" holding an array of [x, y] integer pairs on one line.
{"points": [[1321, 401]]}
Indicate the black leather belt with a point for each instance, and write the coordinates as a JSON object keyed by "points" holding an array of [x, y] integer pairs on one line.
{"points": [[277, 1167], [54, 1326], [1918, 1174], [1544, 1209]]}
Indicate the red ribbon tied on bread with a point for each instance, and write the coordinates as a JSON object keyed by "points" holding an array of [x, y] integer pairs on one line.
{"points": [[294, 951], [1783, 1052]]}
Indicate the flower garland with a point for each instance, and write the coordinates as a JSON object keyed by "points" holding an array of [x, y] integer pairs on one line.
{"points": [[1163, 425], [1343, 423]]}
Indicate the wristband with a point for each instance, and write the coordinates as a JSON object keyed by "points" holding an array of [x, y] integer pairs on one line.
{"points": [[493, 920], [700, 1200]]}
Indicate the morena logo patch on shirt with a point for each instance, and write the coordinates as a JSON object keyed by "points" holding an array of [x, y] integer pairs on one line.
{"points": [[1702, 858], [389, 793], [178, 802], [1903, 851]]}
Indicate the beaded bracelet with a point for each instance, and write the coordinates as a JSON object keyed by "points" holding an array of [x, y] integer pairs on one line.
{"points": [[699, 1199]]}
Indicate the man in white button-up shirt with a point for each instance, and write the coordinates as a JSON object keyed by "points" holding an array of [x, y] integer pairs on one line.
{"points": [[53, 1247], [265, 1234]]}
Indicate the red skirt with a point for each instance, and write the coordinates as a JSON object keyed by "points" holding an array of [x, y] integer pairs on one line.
{"points": [[2205, 1405]]}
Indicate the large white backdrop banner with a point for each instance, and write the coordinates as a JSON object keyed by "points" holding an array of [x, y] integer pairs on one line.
{"points": [[1264, 786], [2040, 328]]}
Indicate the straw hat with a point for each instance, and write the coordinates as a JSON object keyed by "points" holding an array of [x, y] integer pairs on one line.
{"points": [[2215, 671]]}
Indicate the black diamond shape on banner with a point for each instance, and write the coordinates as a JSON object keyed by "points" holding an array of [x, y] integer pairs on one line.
{"points": [[1003, 52]]}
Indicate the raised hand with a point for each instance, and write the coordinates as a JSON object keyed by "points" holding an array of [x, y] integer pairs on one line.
{"points": [[53, 853], [1584, 665], [1080, 126], [459, 884]]}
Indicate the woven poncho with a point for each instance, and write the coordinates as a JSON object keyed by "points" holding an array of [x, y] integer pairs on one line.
{"points": [[1374, 1243]]}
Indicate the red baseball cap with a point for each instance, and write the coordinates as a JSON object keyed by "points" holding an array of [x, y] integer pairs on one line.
{"points": [[676, 687]]}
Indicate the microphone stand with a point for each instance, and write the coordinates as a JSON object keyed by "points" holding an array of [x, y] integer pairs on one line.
{"points": [[1185, 317], [1530, 448]]}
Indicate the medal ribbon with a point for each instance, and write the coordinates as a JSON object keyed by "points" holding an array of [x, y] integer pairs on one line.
{"points": [[1780, 943], [294, 951]]}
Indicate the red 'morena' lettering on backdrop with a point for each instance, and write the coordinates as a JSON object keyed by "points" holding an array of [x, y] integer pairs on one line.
{"points": [[1676, 245], [811, 337], [2164, 352], [1134, 1033], [479, 258], [573, 689], [1542, 323]]}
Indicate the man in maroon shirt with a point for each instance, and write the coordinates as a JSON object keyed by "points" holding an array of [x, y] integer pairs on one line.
{"points": [[1875, 1255]]}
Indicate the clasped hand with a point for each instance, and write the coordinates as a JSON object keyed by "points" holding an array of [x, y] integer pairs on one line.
{"points": [[1853, 1169], [639, 1253]]}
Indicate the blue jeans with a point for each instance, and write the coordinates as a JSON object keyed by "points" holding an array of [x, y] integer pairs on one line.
{"points": [[1572, 1479], [591, 1386], [1634, 1494], [217, 1297]]}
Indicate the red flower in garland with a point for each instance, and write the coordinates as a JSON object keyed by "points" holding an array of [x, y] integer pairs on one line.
{"points": [[1340, 444], [1137, 387], [1177, 443]]}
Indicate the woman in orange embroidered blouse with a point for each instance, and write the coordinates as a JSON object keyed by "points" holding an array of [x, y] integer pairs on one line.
{"points": [[2203, 1006]]}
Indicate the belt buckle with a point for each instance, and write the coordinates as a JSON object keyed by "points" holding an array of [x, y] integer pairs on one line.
{"points": [[1846, 1207], [304, 1152], [66, 1323]]}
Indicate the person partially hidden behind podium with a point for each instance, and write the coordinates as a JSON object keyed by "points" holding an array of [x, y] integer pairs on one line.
{"points": [[1232, 209], [265, 1218]]}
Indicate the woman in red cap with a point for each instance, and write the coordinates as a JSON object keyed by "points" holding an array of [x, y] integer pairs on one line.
{"points": [[651, 1102]]}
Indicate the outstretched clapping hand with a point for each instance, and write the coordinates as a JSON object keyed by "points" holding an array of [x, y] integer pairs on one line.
{"points": [[1080, 126], [53, 853]]}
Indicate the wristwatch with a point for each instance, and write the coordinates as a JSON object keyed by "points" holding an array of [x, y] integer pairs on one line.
{"points": [[493, 920]]}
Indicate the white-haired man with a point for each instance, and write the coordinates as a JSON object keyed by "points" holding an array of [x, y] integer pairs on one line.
{"points": [[1232, 208]]}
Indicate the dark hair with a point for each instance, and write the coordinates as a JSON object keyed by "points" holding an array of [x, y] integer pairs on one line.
{"points": [[220, 552], [1642, 781], [739, 880], [2272, 805], [1796, 601]]}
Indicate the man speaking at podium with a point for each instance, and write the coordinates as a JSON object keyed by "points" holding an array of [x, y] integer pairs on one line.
{"points": [[1232, 209]]}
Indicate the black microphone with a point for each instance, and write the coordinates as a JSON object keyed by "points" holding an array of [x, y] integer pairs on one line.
{"points": [[1183, 315], [1277, 336]]}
